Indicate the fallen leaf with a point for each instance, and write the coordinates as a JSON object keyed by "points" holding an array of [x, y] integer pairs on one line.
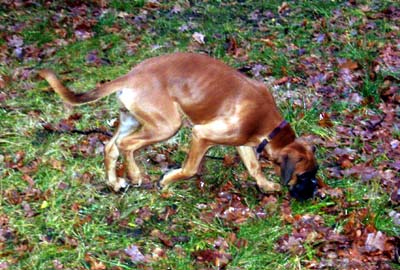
{"points": [[286, 211], [44, 205], [282, 80], [4, 81], [325, 120], [199, 38], [349, 64], [375, 241], [283, 7], [4, 265], [229, 160], [212, 257], [395, 216], [134, 254], [95, 264], [165, 239], [57, 265], [27, 209], [231, 45], [29, 180], [12, 196], [158, 253], [176, 9], [268, 42]]}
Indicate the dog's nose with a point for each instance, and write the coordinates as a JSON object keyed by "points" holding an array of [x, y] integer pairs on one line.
{"points": [[304, 189]]}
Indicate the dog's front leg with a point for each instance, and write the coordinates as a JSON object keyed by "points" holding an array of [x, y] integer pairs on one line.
{"points": [[249, 158], [198, 148]]}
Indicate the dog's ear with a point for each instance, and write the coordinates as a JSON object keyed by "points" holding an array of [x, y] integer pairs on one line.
{"points": [[307, 144], [287, 169]]}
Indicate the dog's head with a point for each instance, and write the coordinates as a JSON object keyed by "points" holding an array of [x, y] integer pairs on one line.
{"points": [[297, 166]]}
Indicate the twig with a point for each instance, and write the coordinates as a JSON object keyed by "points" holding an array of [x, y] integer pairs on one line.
{"points": [[213, 157], [372, 126], [90, 131], [50, 128]]}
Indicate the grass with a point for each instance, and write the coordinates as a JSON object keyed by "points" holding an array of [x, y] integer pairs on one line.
{"points": [[73, 212]]}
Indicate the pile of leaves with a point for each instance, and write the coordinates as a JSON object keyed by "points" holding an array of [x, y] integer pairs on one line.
{"points": [[357, 245]]}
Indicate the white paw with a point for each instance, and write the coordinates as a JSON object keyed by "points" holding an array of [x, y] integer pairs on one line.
{"points": [[118, 184], [137, 180], [122, 182]]}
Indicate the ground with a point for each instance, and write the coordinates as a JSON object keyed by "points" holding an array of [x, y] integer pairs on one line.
{"points": [[333, 67]]}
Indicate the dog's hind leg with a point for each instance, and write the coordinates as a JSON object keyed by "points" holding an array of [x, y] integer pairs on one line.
{"points": [[249, 159], [111, 154], [155, 128], [128, 124]]}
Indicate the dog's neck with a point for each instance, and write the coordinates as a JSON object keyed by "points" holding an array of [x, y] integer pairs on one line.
{"points": [[284, 137], [271, 136]]}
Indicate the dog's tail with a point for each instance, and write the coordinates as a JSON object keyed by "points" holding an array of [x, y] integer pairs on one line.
{"points": [[78, 98]]}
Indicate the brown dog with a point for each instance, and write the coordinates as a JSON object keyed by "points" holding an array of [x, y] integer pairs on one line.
{"points": [[224, 106]]}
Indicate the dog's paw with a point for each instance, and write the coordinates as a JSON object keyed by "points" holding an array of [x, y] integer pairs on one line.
{"points": [[136, 179], [137, 182], [122, 182], [270, 187], [171, 169], [118, 185], [160, 183]]}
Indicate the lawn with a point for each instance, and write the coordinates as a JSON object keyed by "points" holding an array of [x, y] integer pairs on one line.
{"points": [[334, 69]]}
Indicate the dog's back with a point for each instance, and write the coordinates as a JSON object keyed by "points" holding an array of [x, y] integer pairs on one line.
{"points": [[201, 85]]}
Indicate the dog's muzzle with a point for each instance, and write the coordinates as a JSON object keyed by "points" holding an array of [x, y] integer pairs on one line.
{"points": [[305, 187]]}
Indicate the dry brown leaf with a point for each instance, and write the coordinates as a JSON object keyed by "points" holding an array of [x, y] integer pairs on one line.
{"points": [[95, 264], [349, 64]]}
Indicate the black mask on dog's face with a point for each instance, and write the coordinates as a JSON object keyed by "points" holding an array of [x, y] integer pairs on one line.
{"points": [[305, 187]]}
